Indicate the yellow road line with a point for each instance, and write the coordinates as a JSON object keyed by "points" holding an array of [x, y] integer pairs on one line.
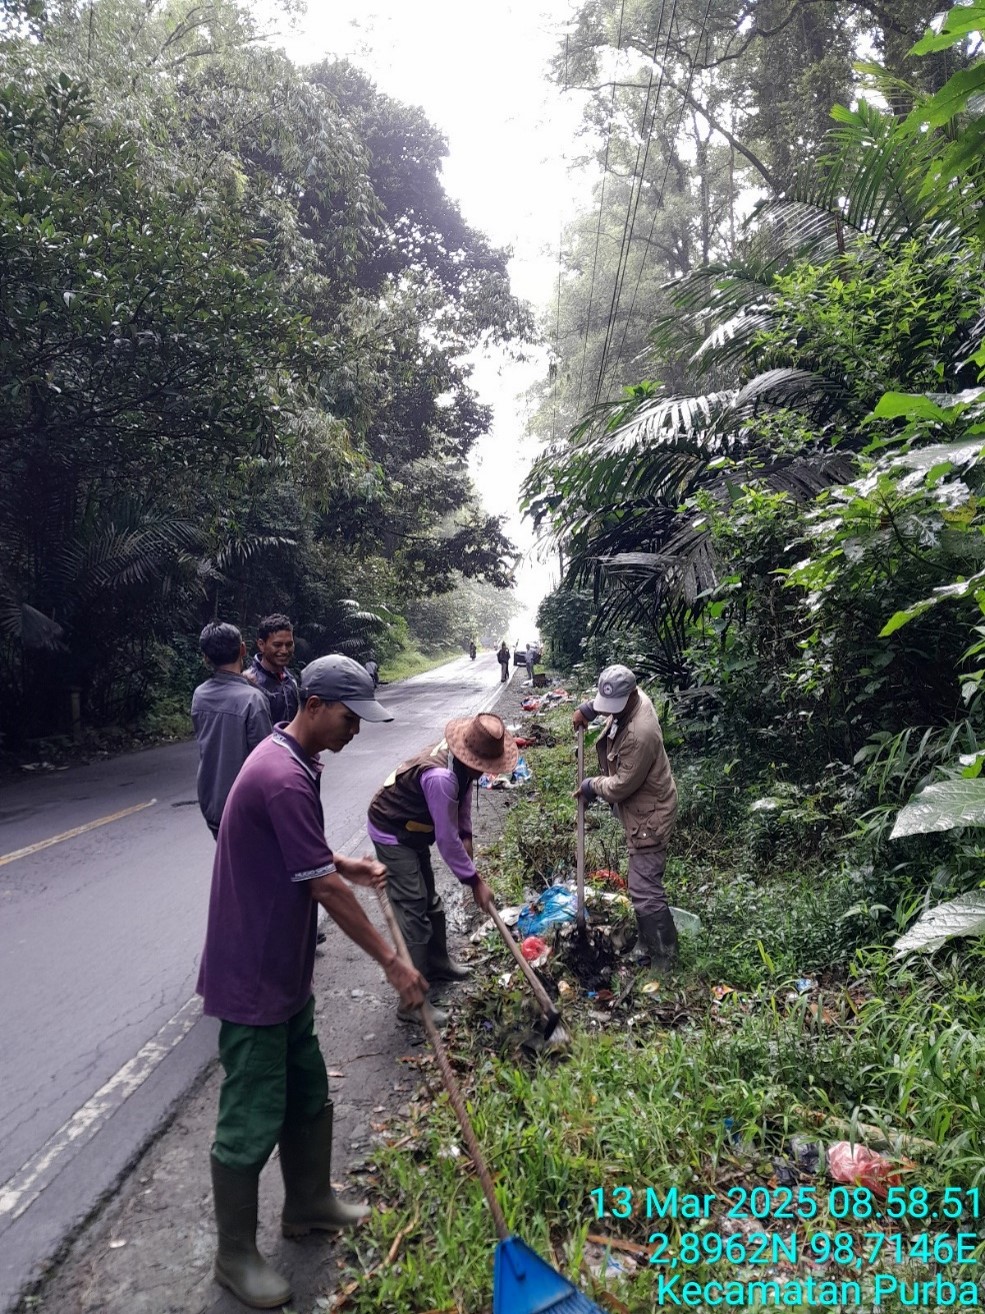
{"points": [[70, 834]]}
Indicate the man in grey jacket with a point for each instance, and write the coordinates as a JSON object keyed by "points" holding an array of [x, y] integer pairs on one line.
{"points": [[230, 715], [638, 783]]}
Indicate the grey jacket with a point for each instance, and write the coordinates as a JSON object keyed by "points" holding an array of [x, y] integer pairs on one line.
{"points": [[230, 716], [637, 779]]}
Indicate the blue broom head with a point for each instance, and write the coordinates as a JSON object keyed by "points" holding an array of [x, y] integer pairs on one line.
{"points": [[524, 1284]]}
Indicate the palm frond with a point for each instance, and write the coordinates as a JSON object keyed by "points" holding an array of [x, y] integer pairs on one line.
{"points": [[30, 627]]}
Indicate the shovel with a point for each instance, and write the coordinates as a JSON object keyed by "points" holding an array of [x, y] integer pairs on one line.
{"points": [[523, 1283], [554, 1030], [581, 919]]}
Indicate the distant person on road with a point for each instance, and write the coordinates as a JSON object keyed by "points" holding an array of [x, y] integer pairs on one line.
{"points": [[530, 660], [230, 717], [638, 783], [268, 671], [428, 800], [472, 649], [372, 667], [273, 867], [503, 657]]}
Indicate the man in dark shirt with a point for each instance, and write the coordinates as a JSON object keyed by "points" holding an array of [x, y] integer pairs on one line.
{"points": [[268, 671], [503, 657], [273, 867], [230, 718]]}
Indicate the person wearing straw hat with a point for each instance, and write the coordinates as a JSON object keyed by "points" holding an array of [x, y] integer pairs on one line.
{"points": [[428, 800], [639, 785], [273, 867]]}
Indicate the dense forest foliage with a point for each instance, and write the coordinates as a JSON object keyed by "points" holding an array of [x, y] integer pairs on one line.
{"points": [[764, 459], [236, 311]]}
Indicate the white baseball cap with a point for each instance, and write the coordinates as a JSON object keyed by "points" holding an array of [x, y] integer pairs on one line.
{"points": [[616, 683]]}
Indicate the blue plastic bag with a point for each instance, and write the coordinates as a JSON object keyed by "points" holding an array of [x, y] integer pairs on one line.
{"points": [[551, 908]]}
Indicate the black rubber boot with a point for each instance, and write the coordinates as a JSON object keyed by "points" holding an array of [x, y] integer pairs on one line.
{"points": [[310, 1204], [440, 966], [239, 1266], [658, 940], [419, 957]]}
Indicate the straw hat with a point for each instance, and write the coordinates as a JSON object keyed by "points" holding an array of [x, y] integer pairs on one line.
{"points": [[483, 743]]}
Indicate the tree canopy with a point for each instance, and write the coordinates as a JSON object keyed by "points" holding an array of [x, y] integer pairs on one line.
{"points": [[237, 309]]}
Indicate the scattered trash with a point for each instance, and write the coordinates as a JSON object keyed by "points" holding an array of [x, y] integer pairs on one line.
{"points": [[686, 922], [804, 983], [116, 1245], [521, 771], [534, 949], [807, 1155], [651, 988], [606, 877], [602, 1263], [820, 1014], [505, 979], [531, 704], [564, 987], [554, 906], [510, 915], [593, 896], [721, 992], [857, 1165]]}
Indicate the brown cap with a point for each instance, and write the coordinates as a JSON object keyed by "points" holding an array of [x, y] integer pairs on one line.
{"points": [[483, 743]]}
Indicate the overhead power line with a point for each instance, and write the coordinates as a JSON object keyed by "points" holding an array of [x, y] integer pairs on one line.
{"points": [[636, 187], [663, 186], [598, 228]]}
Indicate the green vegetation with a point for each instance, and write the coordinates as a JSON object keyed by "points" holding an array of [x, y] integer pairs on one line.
{"points": [[410, 662], [700, 1085], [786, 536], [234, 373]]}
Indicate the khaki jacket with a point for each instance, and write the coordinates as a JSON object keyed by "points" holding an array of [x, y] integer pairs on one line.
{"points": [[636, 776]]}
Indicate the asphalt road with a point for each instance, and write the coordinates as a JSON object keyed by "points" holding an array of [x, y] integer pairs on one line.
{"points": [[100, 934]]}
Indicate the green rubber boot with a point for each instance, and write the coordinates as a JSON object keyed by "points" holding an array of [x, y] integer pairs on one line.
{"points": [[658, 941], [440, 966], [239, 1266], [419, 957], [310, 1204]]}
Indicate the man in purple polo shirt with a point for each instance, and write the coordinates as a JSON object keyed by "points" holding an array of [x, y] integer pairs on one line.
{"points": [[272, 868], [428, 800]]}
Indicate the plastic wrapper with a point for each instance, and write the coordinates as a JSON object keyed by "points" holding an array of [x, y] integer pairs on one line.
{"points": [[553, 907], [857, 1165], [533, 947]]}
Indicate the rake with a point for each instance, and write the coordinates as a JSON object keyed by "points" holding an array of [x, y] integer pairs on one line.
{"points": [[554, 1029], [523, 1283]]}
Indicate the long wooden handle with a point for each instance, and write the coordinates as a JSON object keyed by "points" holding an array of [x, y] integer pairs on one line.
{"points": [[448, 1077], [580, 844], [541, 995]]}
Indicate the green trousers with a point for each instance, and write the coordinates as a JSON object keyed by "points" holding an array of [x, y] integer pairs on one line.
{"points": [[410, 885], [273, 1075]]}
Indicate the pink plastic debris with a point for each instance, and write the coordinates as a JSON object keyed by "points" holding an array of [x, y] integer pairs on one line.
{"points": [[860, 1166], [533, 947]]}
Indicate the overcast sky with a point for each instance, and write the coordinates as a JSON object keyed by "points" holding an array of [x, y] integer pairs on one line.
{"points": [[479, 71]]}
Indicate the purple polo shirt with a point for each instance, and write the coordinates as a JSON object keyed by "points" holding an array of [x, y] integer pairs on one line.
{"points": [[259, 955]]}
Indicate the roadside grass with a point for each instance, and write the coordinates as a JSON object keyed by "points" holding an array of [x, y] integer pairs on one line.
{"points": [[866, 1048], [411, 661]]}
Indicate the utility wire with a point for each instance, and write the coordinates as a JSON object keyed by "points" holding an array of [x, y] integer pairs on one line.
{"points": [[636, 190], [598, 229], [663, 185]]}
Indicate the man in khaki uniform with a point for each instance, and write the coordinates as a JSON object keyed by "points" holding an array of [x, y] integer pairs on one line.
{"points": [[637, 782]]}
